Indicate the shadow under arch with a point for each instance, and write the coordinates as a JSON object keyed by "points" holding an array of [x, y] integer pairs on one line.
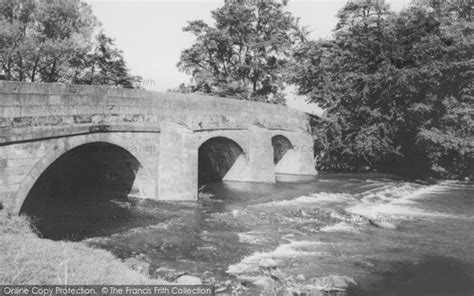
{"points": [[78, 193], [216, 157], [281, 145]]}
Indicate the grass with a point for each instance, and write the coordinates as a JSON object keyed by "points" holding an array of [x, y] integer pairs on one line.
{"points": [[27, 259]]}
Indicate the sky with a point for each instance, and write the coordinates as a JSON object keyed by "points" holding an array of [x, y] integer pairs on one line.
{"points": [[150, 31]]}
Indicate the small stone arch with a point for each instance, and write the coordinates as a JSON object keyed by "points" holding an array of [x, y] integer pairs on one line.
{"points": [[281, 145], [61, 148], [216, 156]]}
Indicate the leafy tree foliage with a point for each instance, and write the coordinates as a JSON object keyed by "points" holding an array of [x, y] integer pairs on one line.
{"points": [[53, 41], [246, 53], [398, 89], [104, 66]]}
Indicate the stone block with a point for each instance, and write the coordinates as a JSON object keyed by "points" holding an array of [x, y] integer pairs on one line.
{"points": [[8, 201], [80, 100], [18, 170], [97, 118], [9, 112], [5, 122], [11, 179], [21, 162], [43, 110], [10, 99], [48, 120], [54, 100], [82, 119], [34, 99], [22, 122]]}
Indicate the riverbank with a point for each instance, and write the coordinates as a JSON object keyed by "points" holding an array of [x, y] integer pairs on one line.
{"points": [[28, 259]]}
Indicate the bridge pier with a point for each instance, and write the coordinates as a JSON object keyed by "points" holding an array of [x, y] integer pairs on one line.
{"points": [[257, 164], [296, 162], [178, 161], [300, 159], [178, 164]]}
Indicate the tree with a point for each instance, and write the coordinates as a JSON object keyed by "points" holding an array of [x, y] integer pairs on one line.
{"points": [[398, 88], [246, 54], [105, 65], [49, 41]]}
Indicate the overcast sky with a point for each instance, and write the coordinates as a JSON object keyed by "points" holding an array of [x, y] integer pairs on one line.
{"points": [[151, 37]]}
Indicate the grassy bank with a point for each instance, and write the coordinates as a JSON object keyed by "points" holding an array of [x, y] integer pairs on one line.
{"points": [[27, 259]]}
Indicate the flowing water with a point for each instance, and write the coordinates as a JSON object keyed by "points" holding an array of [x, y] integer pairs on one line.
{"points": [[310, 228]]}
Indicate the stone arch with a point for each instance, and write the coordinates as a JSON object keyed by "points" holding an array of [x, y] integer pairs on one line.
{"points": [[281, 145], [61, 148], [216, 157]]}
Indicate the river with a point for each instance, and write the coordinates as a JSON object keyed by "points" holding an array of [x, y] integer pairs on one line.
{"points": [[308, 227]]}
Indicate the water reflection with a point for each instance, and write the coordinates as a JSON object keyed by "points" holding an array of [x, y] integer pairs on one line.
{"points": [[431, 275]]}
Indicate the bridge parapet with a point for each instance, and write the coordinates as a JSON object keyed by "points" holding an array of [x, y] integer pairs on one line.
{"points": [[31, 110]]}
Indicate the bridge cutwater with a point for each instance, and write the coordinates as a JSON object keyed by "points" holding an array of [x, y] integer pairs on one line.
{"points": [[171, 142]]}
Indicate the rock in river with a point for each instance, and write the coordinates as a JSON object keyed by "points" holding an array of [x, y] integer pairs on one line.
{"points": [[168, 273], [188, 280], [301, 277], [138, 264], [334, 283], [382, 224], [268, 263]]}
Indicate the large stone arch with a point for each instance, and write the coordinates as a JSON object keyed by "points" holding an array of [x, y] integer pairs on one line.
{"points": [[254, 163], [217, 157], [239, 136], [62, 146], [281, 145], [299, 160]]}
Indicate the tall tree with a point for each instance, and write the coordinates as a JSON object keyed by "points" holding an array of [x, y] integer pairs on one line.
{"points": [[246, 53], [49, 41], [398, 88], [105, 65]]}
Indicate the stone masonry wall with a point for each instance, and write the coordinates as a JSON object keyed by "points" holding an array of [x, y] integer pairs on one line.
{"points": [[30, 111], [41, 122]]}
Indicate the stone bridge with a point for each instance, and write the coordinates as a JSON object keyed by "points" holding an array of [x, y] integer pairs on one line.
{"points": [[154, 145]]}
